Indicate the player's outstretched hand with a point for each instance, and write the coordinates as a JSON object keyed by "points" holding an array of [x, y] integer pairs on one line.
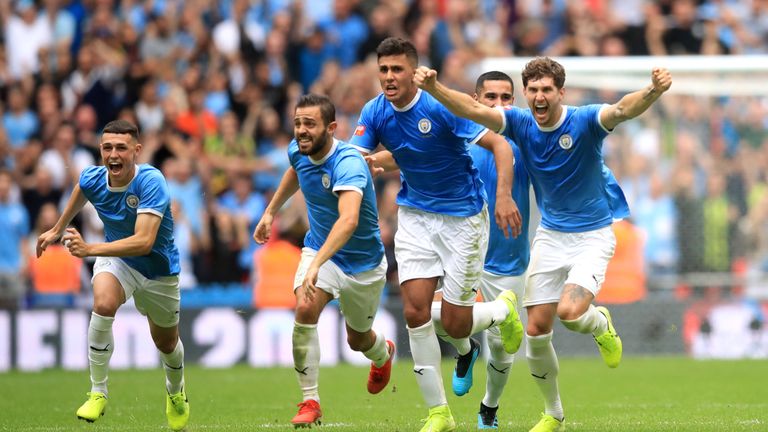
{"points": [[263, 229], [508, 216], [47, 238], [662, 79], [75, 243], [373, 166], [425, 77]]}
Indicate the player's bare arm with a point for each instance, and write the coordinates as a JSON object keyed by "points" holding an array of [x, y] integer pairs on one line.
{"points": [[341, 232], [460, 104], [76, 202], [289, 184], [507, 214], [635, 103], [139, 244]]}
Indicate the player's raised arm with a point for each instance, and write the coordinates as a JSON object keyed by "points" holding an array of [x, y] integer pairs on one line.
{"points": [[507, 214], [289, 184], [635, 103], [76, 202], [458, 103]]}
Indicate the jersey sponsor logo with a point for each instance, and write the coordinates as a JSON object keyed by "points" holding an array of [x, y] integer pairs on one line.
{"points": [[565, 141], [326, 181], [425, 126], [132, 201], [360, 130]]}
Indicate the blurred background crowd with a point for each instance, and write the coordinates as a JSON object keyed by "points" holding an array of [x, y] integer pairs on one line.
{"points": [[212, 86]]}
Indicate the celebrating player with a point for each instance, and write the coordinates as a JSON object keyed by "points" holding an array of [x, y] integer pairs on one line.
{"points": [[343, 256], [561, 147], [443, 222], [139, 259]]}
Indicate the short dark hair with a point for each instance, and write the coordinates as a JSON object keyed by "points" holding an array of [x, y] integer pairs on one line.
{"points": [[393, 46], [492, 76], [327, 110], [122, 127], [541, 67]]}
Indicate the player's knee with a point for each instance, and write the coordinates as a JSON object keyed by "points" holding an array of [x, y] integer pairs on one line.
{"points": [[569, 311], [536, 328], [456, 328], [105, 306], [417, 316], [306, 313]]}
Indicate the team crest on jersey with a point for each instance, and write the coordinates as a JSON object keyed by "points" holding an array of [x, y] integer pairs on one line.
{"points": [[132, 201], [360, 130], [425, 126], [565, 141], [326, 181]]}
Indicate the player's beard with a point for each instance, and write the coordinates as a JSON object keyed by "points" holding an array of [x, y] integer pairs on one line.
{"points": [[317, 145]]}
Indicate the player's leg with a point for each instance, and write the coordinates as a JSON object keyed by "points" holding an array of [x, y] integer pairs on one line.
{"points": [[575, 310], [499, 366], [462, 247], [160, 300], [171, 351], [542, 360], [306, 346], [111, 286], [419, 268], [468, 349], [546, 275], [359, 299]]}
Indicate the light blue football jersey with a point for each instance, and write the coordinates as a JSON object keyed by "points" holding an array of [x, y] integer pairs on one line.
{"points": [[573, 191], [343, 168], [118, 206], [429, 145], [505, 256]]}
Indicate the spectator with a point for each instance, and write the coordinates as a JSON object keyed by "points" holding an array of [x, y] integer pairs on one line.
{"points": [[58, 271], [35, 32], [13, 245]]}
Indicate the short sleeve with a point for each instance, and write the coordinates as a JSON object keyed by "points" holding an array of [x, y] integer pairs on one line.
{"points": [[364, 136], [154, 196], [463, 128], [350, 173]]}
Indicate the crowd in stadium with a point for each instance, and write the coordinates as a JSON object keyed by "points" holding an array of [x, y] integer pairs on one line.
{"points": [[213, 84]]}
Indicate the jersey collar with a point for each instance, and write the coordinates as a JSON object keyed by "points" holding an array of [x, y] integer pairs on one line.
{"points": [[556, 125], [410, 104], [122, 188], [327, 155]]}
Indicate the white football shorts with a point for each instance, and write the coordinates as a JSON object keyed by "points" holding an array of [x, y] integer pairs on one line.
{"points": [[559, 258], [159, 299], [452, 248], [359, 294]]}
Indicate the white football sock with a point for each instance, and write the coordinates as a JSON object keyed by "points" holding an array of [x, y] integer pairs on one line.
{"points": [[379, 352], [100, 348], [173, 363], [591, 321], [544, 367], [462, 345], [425, 351], [306, 359], [499, 368], [488, 314]]}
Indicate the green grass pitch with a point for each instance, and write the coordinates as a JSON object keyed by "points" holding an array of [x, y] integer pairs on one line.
{"points": [[643, 394]]}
